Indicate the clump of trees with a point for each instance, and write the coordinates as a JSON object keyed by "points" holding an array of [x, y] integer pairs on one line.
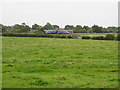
{"points": [[15, 28], [35, 28], [94, 29]]}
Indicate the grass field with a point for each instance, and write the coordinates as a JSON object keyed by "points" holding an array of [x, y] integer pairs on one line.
{"points": [[94, 34], [59, 63], [91, 34]]}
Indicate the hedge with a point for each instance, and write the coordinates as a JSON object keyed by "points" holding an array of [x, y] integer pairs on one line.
{"points": [[39, 35], [98, 38], [72, 36], [110, 37], [26, 35], [86, 37], [118, 37], [107, 37]]}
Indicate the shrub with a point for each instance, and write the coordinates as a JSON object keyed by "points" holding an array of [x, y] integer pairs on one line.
{"points": [[98, 38], [110, 37], [39, 32], [118, 37], [86, 37], [62, 36], [59, 36], [74, 37], [69, 36]]}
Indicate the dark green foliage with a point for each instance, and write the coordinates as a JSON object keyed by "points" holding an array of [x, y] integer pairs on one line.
{"points": [[110, 37], [69, 27], [97, 29], [40, 35], [78, 29], [26, 35], [86, 37], [48, 26], [65, 36], [107, 37], [112, 29], [35, 26], [117, 37], [69, 36], [23, 28], [3, 28], [86, 28], [39, 32], [55, 27], [20, 28], [74, 37], [62, 36], [118, 30], [59, 36], [98, 38]]}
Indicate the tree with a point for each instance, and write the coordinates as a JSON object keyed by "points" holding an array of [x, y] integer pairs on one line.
{"points": [[39, 28], [3, 28], [96, 29], [112, 29], [77, 29], [89, 30], [55, 27], [24, 29], [104, 30], [86, 28], [20, 28], [69, 27], [23, 24], [48, 26], [34, 27], [118, 31]]}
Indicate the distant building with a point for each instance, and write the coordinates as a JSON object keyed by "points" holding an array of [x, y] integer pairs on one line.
{"points": [[58, 31]]}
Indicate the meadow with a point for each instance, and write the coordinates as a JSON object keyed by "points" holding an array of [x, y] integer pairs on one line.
{"points": [[30, 62], [93, 34]]}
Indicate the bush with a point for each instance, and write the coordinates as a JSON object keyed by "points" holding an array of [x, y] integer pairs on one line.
{"points": [[110, 37], [58, 36], [107, 37], [86, 37], [39, 32], [62, 36], [98, 38], [118, 37], [74, 37], [69, 36]]}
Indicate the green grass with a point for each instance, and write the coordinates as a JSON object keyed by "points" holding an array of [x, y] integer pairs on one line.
{"points": [[90, 34], [59, 63]]}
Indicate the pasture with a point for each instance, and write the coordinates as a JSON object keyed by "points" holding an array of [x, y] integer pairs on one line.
{"points": [[59, 63], [93, 34]]}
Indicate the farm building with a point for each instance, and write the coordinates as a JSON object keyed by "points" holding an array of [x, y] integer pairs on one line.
{"points": [[58, 31]]}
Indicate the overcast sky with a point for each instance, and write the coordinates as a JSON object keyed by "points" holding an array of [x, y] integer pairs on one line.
{"points": [[103, 13]]}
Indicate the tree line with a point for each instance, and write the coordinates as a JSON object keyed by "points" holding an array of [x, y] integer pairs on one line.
{"points": [[24, 28]]}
